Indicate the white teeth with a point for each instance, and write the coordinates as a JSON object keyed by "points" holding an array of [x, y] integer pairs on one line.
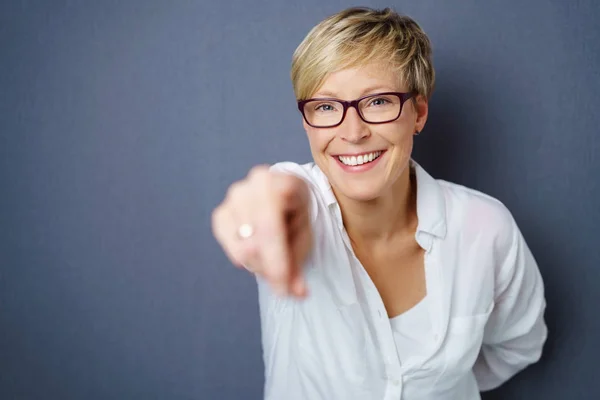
{"points": [[362, 159]]}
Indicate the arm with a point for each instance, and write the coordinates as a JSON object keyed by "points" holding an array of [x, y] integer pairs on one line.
{"points": [[515, 332]]}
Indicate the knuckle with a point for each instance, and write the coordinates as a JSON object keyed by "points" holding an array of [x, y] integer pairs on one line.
{"points": [[217, 214], [261, 177], [258, 171], [217, 218], [234, 190]]}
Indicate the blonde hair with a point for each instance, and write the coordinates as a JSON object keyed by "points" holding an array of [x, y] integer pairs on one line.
{"points": [[357, 36]]}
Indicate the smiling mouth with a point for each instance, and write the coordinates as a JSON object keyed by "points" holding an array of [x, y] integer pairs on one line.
{"points": [[359, 160]]}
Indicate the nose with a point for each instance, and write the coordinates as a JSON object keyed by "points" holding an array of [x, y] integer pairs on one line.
{"points": [[354, 129]]}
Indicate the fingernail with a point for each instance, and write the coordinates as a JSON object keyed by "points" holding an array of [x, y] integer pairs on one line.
{"points": [[280, 290], [299, 287]]}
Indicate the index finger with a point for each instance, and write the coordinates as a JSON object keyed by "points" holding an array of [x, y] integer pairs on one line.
{"points": [[275, 254]]}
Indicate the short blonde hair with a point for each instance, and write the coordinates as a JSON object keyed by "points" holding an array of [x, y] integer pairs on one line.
{"points": [[357, 36]]}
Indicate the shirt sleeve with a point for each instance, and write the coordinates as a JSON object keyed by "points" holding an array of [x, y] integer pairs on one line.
{"points": [[516, 331]]}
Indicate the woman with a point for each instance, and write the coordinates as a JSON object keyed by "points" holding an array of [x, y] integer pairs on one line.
{"points": [[377, 281]]}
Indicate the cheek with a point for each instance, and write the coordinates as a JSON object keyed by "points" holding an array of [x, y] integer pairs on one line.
{"points": [[400, 136], [317, 140], [402, 150]]}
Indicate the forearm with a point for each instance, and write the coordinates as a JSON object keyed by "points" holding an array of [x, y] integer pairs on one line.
{"points": [[498, 362]]}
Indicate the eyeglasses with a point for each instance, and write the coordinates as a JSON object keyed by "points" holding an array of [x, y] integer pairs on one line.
{"points": [[378, 108]]}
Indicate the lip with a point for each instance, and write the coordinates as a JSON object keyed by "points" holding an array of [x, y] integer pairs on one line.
{"points": [[358, 168], [357, 154]]}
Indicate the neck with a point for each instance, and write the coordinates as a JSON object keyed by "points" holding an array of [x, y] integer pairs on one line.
{"points": [[383, 218]]}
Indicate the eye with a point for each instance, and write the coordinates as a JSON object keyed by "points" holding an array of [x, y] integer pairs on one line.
{"points": [[379, 101], [325, 107]]}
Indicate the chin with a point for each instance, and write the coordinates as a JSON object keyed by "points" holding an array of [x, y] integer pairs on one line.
{"points": [[362, 194]]}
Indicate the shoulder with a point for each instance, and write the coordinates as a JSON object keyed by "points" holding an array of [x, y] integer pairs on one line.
{"points": [[309, 172], [306, 170], [478, 217], [468, 202]]}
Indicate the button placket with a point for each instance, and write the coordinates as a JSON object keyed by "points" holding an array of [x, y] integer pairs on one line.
{"points": [[383, 327]]}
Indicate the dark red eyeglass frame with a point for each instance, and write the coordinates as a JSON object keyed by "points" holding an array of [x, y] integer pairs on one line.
{"points": [[354, 103]]}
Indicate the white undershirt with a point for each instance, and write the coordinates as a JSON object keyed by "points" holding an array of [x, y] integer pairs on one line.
{"points": [[412, 331]]}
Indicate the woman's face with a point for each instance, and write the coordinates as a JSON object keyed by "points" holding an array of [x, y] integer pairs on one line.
{"points": [[389, 145]]}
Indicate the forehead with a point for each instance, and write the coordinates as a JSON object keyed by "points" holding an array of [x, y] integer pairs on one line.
{"points": [[353, 82]]}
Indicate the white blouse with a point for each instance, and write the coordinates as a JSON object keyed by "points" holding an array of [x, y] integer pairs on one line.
{"points": [[484, 291]]}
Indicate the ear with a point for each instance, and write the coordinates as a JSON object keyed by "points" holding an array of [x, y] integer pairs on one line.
{"points": [[421, 107]]}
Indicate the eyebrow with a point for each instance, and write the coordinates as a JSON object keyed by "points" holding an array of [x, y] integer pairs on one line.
{"points": [[370, 90]]}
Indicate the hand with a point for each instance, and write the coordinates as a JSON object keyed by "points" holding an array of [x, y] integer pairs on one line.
{"points": [[263, 225]]}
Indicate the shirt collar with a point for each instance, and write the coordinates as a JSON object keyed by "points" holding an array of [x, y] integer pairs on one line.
{"points": [[431, 204]]}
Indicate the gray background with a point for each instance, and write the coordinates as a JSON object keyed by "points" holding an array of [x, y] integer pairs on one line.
{"points": [[122, 124]]}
